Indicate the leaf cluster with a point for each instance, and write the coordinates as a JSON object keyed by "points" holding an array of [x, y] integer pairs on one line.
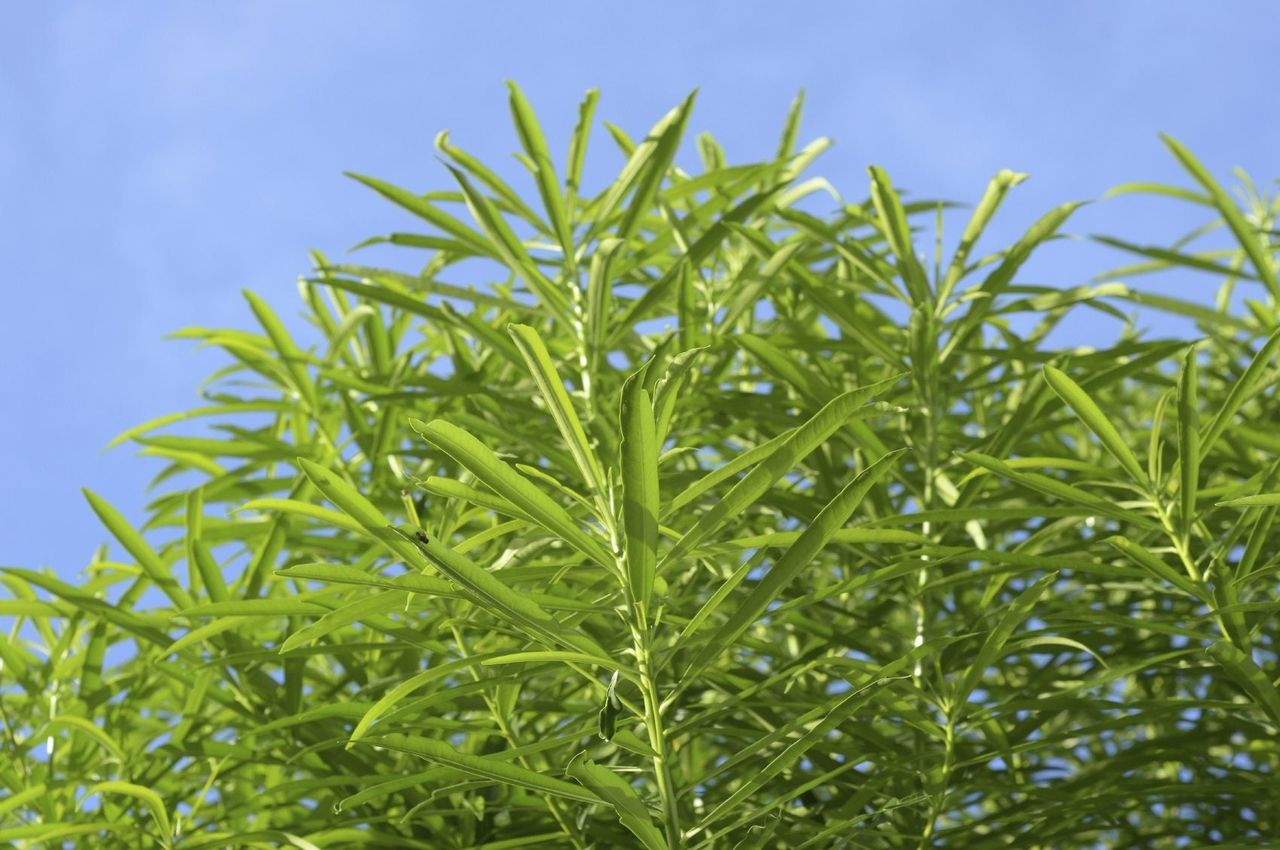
{"points": [[701, 511]]}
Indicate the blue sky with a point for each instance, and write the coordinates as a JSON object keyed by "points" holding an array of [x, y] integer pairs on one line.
{"points": [[157, 158]]}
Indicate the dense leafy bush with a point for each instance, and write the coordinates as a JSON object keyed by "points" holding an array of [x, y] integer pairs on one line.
{"points": [[685, 514]]}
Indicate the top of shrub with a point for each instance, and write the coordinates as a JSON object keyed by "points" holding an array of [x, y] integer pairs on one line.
{"points": [[696, 511]]}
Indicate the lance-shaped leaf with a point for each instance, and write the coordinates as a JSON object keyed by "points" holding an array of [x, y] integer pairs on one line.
{"points": [[485, 768], [294, 359], [427, 778], [358, 609], [519, 609], [843, 710], [1249, 677], [70, 721], [353, 504], [430, 212], [509, 248], [1188, 443], [1002, 276], [283, 607], [200, 561], [700, 250], [893, 223], [132, 541], [1251, 241], [17, 798], [994, 645], [1095, 420], [510, 198], [1258, 500], [1156, 566], [559, 405], [600, 300], [535, 145], [978, 221], [1058, 489], [403, 688], [578, 145], [783, 457], [306, 509], [208, 630], [146, 627], [482, 586], [148, 797], [806, 547], [1241, 391], [640, 490], [644, 171], [339, 574], [498, 476], [621, 797], [547, 657]]}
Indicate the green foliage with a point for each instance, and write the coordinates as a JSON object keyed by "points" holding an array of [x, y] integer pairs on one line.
{"points": [[681, 515]]}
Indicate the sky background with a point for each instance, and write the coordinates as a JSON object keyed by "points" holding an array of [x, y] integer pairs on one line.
{"points": [[157, 158]]}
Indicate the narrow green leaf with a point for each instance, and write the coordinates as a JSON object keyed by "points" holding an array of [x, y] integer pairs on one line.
{"points": [[535, 145], [1259, 500], [428, 211], [1241, 391], [17, 798], [509, 248], [1188, 443], [1155, 565], [487, 590], [132, 541], [830, 519], [146, 796], [640, 490], [294, 360], [543, 657], [994, 645], [497, 475], [780, 460], [1058, 489], [1249, 677], [208, 630], [984, 296], [509, 197], [306, 509], [973, 230], [893, 223], [838, 714], [360, 509], [621, 797], [70, 721], [578, 144], [646, 165], [485, 768], [403, 688], [283, 607], [1165, 257], [551, 387], [1096, 421], [1250, 240], [354, 611], [599, 299]]}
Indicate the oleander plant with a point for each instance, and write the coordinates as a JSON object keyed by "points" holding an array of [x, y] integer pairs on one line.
{"points": [[705, 509]]}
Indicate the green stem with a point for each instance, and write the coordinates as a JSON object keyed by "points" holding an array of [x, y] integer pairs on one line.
{"points": [[642, 647], [658, 741]]}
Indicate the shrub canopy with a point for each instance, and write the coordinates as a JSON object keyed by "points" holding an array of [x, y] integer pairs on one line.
{"points": [[703, 510]]}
